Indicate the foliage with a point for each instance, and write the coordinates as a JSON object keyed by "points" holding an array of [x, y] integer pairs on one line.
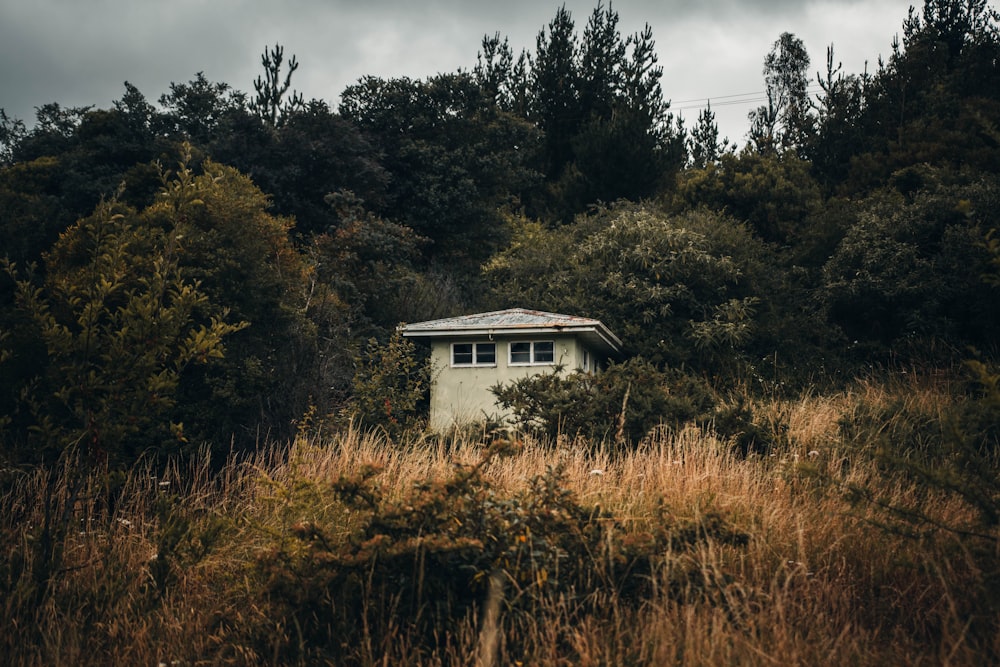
{"points": [[737, 421], [839, 131], [246, 270], [370, 264], [598, 102], [865, 223], [936, 99], [200, 109], [55, 129], [703, 144], [31, 214], [786, 123], [911, 268], [312, 153], [12, 131], [390, 386], [555, 86], [271, 103], [773, 194], [247, 265], [69, 162], [120, 325], [422, 564], [861, 229], [618, 407], [455, 160], [679, 290]]}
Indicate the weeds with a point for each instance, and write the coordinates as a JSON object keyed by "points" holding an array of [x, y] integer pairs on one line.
{"points": [[424, 564], [353, 550]]}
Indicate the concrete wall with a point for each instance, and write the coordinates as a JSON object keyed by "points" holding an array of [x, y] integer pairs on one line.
{"points": [[461, 395]]}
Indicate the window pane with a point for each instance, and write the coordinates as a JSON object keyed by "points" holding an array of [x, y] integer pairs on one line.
{"points": [[486, 353], [520, 353], [461, 353], [544, 353]]}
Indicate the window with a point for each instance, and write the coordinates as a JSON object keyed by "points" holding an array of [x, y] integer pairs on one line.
{"points": [[534, 352], [486, 354], [543, 353], [473, 354], [520, 353]]}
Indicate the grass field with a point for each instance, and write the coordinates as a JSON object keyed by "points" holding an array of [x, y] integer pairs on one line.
{"points": [[348, 549]]}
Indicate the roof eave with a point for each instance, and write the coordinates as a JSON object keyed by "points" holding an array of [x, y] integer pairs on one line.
{"points": [[599, 333]]}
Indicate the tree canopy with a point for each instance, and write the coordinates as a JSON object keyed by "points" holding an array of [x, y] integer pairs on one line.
{"points": [[855, 227]]}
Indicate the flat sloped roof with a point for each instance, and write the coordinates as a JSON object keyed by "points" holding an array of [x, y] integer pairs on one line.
{"points": [[517, 321]]}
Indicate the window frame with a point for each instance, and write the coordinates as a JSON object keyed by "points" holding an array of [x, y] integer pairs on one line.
{"points": [[475, 363], [532, 355]]}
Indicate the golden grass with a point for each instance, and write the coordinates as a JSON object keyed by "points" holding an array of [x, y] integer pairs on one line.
{"points": [[818, 583]]}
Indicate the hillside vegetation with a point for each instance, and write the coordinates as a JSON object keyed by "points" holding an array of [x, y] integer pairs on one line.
{"points": [[212, 436]]}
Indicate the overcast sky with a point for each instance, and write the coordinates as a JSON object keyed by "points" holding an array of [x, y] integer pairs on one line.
{"points": [[80, 52]]}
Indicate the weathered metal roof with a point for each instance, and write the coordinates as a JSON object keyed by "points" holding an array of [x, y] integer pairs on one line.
{"points": [[516, 321]]}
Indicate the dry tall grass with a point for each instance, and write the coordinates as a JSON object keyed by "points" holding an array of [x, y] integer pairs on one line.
{"points": [[170, 572]]}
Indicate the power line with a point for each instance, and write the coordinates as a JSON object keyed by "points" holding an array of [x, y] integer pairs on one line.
{"points": [[719, 97], [756, 97]]}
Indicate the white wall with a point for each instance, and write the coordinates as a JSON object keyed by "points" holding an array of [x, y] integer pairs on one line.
{"points": [[461, 395]]}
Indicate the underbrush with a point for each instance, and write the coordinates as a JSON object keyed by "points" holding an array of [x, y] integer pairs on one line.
{"points": [[354, 550]]}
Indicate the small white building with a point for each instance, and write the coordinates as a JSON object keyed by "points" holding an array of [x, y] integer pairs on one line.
{"points": [[472, 353]]}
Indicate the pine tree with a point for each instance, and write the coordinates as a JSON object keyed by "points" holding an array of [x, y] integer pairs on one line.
{"points": [[555, 107], [602, 64], [703, 145], [272, 102], [494, 71]]}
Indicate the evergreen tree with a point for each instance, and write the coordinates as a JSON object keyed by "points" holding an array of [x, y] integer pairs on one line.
{"points": [[272, 101], [840, 110], [600, 106], [555, 103], [703, 144], [602, 65], [937, 97], [494, 71]]}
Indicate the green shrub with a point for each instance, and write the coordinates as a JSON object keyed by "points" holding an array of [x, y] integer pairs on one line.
{"points": [[684, 290], [390, 386], [120, 326], [621, 404], [910, 269]]}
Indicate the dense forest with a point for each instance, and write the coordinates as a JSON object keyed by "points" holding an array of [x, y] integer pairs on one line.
{"points": [[221, 271], [229, 262]]}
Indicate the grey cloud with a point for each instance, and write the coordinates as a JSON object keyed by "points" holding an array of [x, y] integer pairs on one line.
{"points": [[80, 53]]}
